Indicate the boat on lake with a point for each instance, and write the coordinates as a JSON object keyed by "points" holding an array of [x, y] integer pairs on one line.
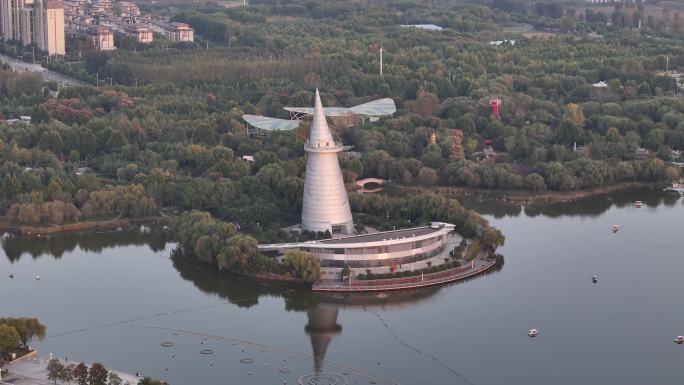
{"points": [[638, 204], [616, 228]]}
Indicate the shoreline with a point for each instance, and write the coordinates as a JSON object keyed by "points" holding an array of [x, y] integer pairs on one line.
{"points": [[481, 265], [35, 231], [520, 196], [33, 371]]}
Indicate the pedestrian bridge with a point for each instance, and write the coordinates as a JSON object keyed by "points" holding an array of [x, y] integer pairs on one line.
{"points": [[361, 183]]}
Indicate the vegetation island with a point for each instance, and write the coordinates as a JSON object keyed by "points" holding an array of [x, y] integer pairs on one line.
{"points": [[515, 97]]}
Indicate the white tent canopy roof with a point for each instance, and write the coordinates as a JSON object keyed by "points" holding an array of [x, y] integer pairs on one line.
{"points": [[380, 107], [376, 108]]}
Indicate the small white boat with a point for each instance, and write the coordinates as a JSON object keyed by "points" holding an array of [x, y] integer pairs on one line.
{"points": [[679, 340], [594, 278], [533, 332], [37, 277], [638, 204], [616, 228]]}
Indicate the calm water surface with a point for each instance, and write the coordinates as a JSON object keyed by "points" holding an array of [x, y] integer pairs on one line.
{"points": [[116, 297]]}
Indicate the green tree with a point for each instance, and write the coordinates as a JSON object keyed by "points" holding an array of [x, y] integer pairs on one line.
{"points": [[236, 256], [303, 265], [569, 133], [114, 379], [28, 328], [68, 373], [356, 166], [55, 190], [427, 176], [613, 135], [51, 140], [492, 237], [80, 373], [86, 143], [534, 182], [346, 271], [9, 337], [74, 156], [11, 186], [97, 375], [55, 370]]}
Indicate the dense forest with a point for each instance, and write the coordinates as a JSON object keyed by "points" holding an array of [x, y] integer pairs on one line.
{"points": [[168, 134]]}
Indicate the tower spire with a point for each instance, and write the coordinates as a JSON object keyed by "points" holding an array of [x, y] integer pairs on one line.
{"points": [[325, 205], [320, 136]]}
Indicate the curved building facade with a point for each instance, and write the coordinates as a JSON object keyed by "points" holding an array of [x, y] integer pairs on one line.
{"points": [[325, 201], [388, 248]]}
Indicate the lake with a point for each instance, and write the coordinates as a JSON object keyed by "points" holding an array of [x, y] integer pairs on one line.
{"points": [[118, 299]]}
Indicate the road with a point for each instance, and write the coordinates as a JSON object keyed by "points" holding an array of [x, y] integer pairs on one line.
{"points": [[47, 75]]}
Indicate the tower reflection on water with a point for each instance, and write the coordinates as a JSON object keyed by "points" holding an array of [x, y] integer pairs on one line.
{"points": [[322, 310], [322, 327]]}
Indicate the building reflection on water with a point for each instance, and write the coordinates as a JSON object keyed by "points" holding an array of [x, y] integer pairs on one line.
{"points": [[322, 309], [322, 316]]}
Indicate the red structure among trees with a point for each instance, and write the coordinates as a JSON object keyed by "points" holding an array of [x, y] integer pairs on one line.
{"points": [[495, 104]]}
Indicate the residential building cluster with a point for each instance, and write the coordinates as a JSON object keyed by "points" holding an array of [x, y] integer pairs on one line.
{"points": [[99, 20], [39, 22], [46, 23]]}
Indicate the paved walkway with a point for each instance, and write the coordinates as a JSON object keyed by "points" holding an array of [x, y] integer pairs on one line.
{"points": [[477, 266], [34, 372]]}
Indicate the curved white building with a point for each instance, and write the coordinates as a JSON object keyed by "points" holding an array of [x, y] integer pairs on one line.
{"points": [[387, 248], [326, 205]]}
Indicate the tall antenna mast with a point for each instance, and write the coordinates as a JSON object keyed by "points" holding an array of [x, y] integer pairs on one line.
{"points": [[380, 58]]}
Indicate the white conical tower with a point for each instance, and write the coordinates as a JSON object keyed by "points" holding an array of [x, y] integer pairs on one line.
{"points": [[326, 205]]}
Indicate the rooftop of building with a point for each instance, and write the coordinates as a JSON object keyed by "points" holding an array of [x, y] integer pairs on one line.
{"points": [[383, 238], [385, 235]]}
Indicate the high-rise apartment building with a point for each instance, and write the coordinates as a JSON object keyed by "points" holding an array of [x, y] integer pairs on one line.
{"points": [[27, 22], [48, 32], [34, 21], [10, 18]]}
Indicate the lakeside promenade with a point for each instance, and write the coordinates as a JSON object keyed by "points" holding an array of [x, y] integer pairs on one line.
{"points": [[476, 267], [330, 277], [33, 371]]}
